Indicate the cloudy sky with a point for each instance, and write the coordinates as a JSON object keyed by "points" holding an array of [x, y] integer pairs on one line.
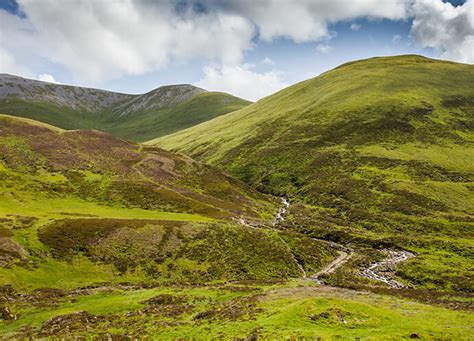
{"points": [[250, 48]]}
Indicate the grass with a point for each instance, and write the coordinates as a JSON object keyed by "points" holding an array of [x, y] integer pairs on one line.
{"points": [[379, 150], [83, 207], [277, 311], [143, 126], [54, 171], [145, 241], [51, 273]]}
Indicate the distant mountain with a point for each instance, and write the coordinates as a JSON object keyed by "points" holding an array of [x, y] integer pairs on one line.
{"points": [[380, 149], [135, 117]]}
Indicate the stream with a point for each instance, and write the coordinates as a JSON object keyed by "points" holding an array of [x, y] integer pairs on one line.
{"points": [[380, 271]]}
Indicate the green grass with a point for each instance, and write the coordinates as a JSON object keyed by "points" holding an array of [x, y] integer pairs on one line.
{"points": [[380, 150], [76, 273], [281, 311], [144, 126], [59, 116], [127, 213]]}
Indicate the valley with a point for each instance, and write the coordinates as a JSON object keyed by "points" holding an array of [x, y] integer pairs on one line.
{"points": [[341, 207]]}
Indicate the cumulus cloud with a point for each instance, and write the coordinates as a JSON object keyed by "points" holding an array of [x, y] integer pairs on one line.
{"points": [[446, 28], [308, 20], [99, 40], [242, 81], [13, 47], [102, 40], [355, 27], [9, 65], [46, 77], [323, 48]]}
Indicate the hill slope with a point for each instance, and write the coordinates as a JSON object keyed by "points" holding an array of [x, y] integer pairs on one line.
{"points": [[381, 150], [87, 202], [99, 167], [135, 117]]}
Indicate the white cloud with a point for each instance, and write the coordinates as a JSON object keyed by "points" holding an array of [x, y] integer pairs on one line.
{"points": [[103, 40], [268, 61], [323, 48], [10, 66], [242, 81], [446, 28], [355, 27], [100, 40], [46, 77], [308, 20], [396, 38]]}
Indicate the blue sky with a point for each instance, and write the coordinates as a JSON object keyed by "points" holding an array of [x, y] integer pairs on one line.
{"points": [[248, 48]]}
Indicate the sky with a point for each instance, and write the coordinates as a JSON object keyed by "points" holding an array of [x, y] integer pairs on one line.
{"points": [[249, 48]]}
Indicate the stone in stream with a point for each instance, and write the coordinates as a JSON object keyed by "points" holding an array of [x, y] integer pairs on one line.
{"points": [[382, 271]]}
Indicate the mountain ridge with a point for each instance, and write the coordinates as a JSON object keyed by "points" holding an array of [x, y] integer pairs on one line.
{"points": [[135, 117]]}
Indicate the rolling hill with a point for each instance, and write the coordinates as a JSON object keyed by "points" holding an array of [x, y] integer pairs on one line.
{"points": [[135, 117], [98, 167], [104, 238], [378, 152], [94, 194]]}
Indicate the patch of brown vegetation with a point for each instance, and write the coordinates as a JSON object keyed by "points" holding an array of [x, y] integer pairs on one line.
{"points": [[167, 305], [239, 308], [74, 322]]}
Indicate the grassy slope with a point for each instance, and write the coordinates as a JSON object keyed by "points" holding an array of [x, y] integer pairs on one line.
{"points": [[138, 201], [198, 109], [268, 311], [380, 150], [59, 230], [60, 116]]}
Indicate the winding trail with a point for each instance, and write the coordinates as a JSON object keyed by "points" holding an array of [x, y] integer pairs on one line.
{"points": [[379, 271], [345, 254]]}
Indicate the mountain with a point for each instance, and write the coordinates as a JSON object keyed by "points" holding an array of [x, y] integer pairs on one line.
{"points": [[135, 117], [108, 239], [379, 153]]}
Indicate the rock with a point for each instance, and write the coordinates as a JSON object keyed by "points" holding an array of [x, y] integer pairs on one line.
{"points": [[78, 321], [6, 314], [252, 337]]}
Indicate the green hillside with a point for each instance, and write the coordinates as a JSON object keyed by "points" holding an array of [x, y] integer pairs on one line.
{"points": [[103, 238], [379, 152], [149, 124], [89, 193], [162, 111]]}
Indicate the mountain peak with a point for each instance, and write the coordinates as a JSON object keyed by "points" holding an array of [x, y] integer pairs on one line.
{"points": [[162, 97]]}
